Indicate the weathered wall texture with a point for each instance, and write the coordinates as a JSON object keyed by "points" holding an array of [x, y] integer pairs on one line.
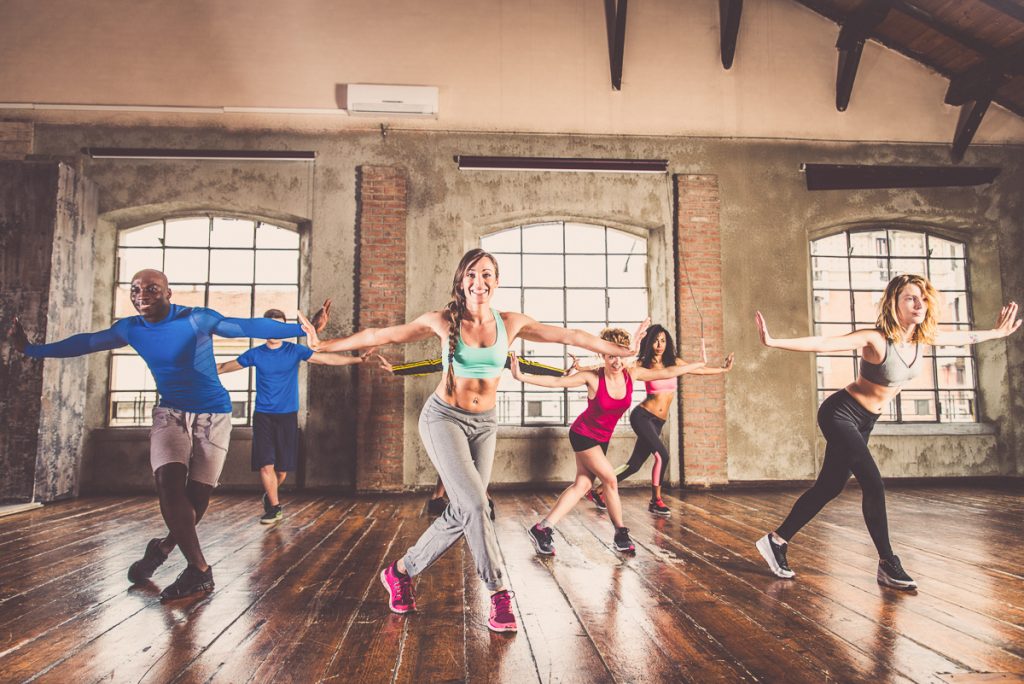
{"points": [[766, 219], [47, 218]]}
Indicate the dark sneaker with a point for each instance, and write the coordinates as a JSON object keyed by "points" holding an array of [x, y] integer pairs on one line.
{"points": [[190, 581], [892, 574], [775, 556], [622, 541], [399, 588], [437, 506], [541, 537], [658, 507], [153, 558], [490, 502], [502, 619], [597, 499], [272, 515]]}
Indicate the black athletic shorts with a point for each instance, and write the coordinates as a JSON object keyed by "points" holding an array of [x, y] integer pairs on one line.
{"points": [[275, 441], [582, 442]]}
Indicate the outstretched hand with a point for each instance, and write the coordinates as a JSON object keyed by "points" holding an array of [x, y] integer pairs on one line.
{"points": [[1007, 323], [312, 339], [367, 354], [574, 368], [513, 366], [385, 364], [762, 329], [16, 334], [321, 317], [640, 333]]}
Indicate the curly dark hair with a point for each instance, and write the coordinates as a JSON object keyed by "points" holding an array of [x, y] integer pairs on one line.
{"points": [[646, 354]]}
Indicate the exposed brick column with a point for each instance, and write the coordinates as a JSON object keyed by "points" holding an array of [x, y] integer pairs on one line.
{"points": [[698, 265], [15, 139], [380, 282]]}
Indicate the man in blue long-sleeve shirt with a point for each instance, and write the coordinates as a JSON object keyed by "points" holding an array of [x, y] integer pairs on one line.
{"points": [[192, 422]]}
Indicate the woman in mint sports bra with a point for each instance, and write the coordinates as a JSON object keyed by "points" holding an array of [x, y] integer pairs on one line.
{"points": [[657, 350], [458, 423], [890, 356], [609, 392]]}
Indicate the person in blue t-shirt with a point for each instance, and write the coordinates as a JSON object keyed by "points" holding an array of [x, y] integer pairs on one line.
{"points": [[275, 423], [192, 421]]}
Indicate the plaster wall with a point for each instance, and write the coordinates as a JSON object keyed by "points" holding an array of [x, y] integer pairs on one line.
{"points": [[500, 65], [767, 218]]}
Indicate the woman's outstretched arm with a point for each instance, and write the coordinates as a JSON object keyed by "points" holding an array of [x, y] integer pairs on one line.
{"points": [[423, 327], [1006, 324]]}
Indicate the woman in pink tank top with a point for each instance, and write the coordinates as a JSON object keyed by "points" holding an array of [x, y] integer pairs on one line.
{"points": [[610, 391]]}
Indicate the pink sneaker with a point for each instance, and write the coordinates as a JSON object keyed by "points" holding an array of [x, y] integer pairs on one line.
{"points": [[597, 499], [502, 619], [400, 598]]}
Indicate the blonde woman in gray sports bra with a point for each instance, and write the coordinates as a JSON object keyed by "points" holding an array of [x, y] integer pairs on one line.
{"points": [[890, 356]]}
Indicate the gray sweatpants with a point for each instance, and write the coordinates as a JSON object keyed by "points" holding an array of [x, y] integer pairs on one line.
{"points": [[460, 444]]}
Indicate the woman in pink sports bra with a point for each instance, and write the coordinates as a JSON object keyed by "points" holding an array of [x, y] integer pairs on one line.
{"points": [[610, 392], [657, 351]]}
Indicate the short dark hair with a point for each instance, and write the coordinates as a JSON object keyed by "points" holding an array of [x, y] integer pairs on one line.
{"points": [[275, 313]]}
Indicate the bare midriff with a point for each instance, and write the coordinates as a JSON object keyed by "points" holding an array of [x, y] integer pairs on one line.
{"points": [[471, 394], [658, 404], [871, 396]]}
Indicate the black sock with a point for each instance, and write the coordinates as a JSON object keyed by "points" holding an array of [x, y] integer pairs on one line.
{"points": [[394, 567]]}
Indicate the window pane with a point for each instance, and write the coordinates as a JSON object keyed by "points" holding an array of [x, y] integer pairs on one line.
{"points": [[231, 347], [917, 406], [129, 372], [510, 273], [926, 380], [903, 243], [232, 301], [543, 407], [953, 307], [546, 305], [627, 305], [236, 380], [504, 241], [869, 274], [955, 372], [231, 232], [143, 236], [871, 243], [123, 303], [577, 403], [958, 407], [947, 274], [547, 350], [908, 266], [831, 305], [585, 271], [131, 408], [542, 271], [945, 248], [830, 273], [624, 243], [188, 232], [835, 372], [277, 267], [185, 265], [271, 237], [240, 408], [627, 271], [283, 297], [866, 306], [585, 305], [132, 260], [509, 408], [188, 295], [508, 299], [231, 266], [833, 245], [580, 237], [832, 328], [542, 238]]}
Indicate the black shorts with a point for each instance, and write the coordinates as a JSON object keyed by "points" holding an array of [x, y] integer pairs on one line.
{"points": [[275, 441], [582, 442]]}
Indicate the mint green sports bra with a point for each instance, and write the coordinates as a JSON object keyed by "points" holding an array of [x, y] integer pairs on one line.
{"points": [[479, 362]]}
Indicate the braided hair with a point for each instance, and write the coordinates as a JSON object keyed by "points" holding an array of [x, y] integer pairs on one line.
{"points": [[646, 353], [455, 309]]}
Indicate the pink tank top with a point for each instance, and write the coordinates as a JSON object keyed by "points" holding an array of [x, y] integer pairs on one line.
{"points": [[659, 386], [602, 413]]}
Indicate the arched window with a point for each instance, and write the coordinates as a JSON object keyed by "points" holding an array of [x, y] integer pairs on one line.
{"points": [[238, 267], [849, 273], [568, 274]]}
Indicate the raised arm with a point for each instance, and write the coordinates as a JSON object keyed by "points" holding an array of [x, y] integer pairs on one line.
{"points": [[529, 329], [328, 359], [420, 329], [1006, 324], [76, 345], [724, 368], [644, 374], [858, 339], [576, 380], [229, 366]]}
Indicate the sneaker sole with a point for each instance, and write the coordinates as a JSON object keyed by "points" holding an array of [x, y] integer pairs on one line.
{"points": [[629, 550], [765, 549], [387, 588], [269, 522], [204, 588], [536, 545], [502, 628], [886, 581], [660, 514]]}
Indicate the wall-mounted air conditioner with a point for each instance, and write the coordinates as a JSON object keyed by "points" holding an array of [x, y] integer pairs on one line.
{"points": [[363, 99]]}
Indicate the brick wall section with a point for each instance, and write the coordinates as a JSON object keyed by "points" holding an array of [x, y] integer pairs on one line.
{"points": [[380, 283], [15, 139], [698, 264]]}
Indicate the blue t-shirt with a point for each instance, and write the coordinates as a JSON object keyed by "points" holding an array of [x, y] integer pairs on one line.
{"points": [[178, 351], [277, 375]]}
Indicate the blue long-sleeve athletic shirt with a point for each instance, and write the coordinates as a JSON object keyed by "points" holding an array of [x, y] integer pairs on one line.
{"points": [[178, 351]]}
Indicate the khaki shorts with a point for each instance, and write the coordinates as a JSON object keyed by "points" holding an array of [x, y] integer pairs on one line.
{"points": [[198, 440]]}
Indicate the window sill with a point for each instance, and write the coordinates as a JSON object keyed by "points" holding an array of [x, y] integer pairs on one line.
{"points": [[933, 429]]}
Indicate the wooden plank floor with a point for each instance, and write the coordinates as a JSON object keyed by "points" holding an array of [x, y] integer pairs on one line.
{"points": [[301, 602]]}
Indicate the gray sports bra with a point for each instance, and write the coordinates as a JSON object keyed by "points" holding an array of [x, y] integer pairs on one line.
{"points": [[893, 370]]}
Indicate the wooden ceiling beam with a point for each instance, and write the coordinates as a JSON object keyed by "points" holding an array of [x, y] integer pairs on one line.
{"points": [[856, 29], [729, 12], [971, 114], [615, 19]]}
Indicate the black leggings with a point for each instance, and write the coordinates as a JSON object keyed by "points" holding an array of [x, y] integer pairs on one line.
{"points": [[647, 427], [846, 426]]}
